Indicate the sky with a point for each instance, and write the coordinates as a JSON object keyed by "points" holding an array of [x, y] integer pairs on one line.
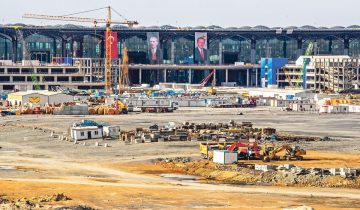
{"points": [[224, 13]]}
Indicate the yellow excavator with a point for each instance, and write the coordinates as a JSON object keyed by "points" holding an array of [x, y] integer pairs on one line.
{"points": [[269, 152]]}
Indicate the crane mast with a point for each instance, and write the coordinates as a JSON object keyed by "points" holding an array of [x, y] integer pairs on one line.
{"points": [[108, 53]]}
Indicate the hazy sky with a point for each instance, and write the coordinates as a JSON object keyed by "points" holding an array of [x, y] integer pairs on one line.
{"points": [[224, 13]]}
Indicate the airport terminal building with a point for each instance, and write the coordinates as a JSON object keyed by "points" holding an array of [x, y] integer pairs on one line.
{"points": [[73, 56]]}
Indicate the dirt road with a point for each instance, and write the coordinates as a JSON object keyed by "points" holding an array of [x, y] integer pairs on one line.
{"points": [[121, 176]]}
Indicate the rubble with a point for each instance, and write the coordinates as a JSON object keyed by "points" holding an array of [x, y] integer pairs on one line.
{"points": [[284, 175], [40, 203]]}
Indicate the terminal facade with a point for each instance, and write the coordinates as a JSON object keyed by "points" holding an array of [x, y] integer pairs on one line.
{"points": [[234, 53]]}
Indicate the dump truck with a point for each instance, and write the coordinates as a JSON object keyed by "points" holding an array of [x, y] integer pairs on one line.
{"points": [[153, 105], [207, 148]]}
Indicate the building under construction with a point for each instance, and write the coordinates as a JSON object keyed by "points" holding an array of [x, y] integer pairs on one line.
{"points": [[321, 73]]}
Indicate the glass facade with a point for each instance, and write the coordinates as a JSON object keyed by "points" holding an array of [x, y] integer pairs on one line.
{"points": [[176, 49], [354, 48]]}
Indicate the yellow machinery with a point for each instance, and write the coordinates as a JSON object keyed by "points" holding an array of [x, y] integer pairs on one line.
{"points": [[121, 106], [108, 22], [211, 90], [207, 149], [269, 152]]}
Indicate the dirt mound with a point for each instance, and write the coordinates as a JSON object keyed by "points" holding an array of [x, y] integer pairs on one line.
{"points": [[46, 198], [234, 174], [37, 203], [80, 207]]}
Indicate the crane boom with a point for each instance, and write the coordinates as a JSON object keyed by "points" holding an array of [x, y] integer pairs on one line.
{"points": [[77, 19], [108, 22]]}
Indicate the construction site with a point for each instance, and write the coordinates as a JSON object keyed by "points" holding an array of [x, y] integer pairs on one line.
{"points": [[117, 115]]}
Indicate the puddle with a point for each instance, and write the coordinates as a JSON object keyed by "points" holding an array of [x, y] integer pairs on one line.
{"points": [[8, 168], [180, 177]]}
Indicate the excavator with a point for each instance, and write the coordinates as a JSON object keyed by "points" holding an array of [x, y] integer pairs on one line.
{"points": [[269, 152]]}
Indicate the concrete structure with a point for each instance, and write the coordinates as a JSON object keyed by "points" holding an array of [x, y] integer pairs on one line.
{"points": [[224, 157], [38, 98], [323, 73], [88, 132], [111, 131], [76, 54]]}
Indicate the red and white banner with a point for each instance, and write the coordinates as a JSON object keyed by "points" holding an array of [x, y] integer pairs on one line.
{"points": [[111, 40]]}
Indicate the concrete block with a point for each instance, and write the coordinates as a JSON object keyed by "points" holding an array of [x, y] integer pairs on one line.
{"points": [[138, 141], [105, 145], [96, 144], [334, 171], [259, 167], [288, 166]]}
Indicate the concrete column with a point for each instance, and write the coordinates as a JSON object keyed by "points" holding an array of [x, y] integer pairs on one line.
{"points": [[72, 48], [299, 48], [267, 50], [357, 71], [70, 79], [165, 75], [20, 71], [55, 78], [64, 71], [220, 52], [284, 49], [346, 46], [227, 76], [49, 70], [172, 52], [140, 76], [24, 50], [6, 56], [15, 51], [214, 76], [247, 77], [81, 49], [54, 48], [190, 75], [6, 71], [11, 79], [63, 48], [256, 77], [253, 51]]}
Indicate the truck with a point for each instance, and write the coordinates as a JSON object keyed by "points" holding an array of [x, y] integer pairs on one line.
{"points": [[153, 105]]}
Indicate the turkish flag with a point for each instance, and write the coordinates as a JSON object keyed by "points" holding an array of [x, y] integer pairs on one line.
{"points": [[111, 40]]}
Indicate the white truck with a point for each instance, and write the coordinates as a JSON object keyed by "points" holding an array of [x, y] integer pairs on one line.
{"points": [[152, 105]]}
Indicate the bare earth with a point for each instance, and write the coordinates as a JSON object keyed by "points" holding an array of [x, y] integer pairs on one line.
{"points": [[122, 176]]}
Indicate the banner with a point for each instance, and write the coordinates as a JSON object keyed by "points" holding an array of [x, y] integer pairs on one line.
{"points": [[201, 49], [112, 44], [154, 50]]}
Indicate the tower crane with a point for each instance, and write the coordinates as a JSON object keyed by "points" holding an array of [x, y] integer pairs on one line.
{"points": [[108, 22]]}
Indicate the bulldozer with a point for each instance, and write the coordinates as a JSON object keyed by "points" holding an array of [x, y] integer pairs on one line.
{"points": [[269, 152]]}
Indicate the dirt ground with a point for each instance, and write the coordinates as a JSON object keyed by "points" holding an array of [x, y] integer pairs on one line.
{"points": [[123, 177]]}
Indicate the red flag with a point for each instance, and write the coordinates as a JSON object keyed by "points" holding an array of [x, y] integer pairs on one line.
{"points": [[111, 40]]}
